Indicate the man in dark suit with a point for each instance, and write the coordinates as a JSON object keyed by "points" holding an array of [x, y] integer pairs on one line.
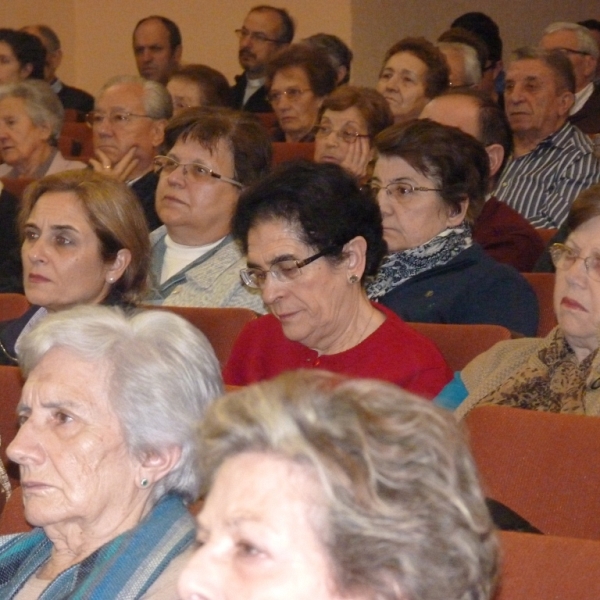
{"points": [[71, 97], [266, 30]]}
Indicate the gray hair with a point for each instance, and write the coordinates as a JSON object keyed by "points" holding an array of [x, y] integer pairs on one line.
{"points": [[555, 60], [41, 104], [470, 60], [406, 515], [157, 100], [164, 374], [585, 40]]}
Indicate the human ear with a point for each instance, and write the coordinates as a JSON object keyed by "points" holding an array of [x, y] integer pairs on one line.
{"points": [[356, 256], [115, 271], [156, 465], [456, 217], [565, 102], [495, 154], [26, 70]]}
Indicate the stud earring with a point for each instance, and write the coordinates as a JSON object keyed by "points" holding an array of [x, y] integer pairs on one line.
{"points": [[144, 483], [353, 279]]}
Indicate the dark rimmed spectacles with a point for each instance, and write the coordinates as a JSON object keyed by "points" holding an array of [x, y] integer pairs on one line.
{"points": [[564, 258], [346, 135], [195, 171], [255, 36], [399, 190], [284, 270]]}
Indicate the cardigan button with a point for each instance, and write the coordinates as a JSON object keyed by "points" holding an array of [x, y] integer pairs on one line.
{"points": [[429, 294]]}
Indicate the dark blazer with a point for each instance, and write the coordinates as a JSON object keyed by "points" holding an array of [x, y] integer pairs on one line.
{"points": [[257, 103], [587, 118], [145, 189], [72, 97], [471, 288]]}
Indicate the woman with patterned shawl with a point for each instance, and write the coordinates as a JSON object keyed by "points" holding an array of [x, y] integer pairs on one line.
{"points": [[107, 454]]}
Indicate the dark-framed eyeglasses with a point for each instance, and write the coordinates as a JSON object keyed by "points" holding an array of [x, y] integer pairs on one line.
{"points": [[345, 134], [194, 171], [564, 258], [292, 94], [255, 36], [399, 190], [284, 270], [116, 119]]}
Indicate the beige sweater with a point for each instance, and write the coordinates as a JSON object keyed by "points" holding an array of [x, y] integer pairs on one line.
{"points": [[488, 371]]}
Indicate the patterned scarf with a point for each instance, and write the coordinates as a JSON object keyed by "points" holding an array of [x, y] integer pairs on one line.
{"points": [[400, 266], [124, 568], [558, 385]]}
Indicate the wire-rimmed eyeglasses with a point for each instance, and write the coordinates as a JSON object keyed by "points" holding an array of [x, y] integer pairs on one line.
{"points": [[195, 171], [564, 258]]}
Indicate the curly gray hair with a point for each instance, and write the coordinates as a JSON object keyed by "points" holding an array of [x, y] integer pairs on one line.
{"points": [[406, 515]]}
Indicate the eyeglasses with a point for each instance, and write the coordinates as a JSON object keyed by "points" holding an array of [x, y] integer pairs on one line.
{"points": [[564, 258], [571, 51], [346, 135], [195, 171], [398, 190], [292, 94], [283, 271], [116, 119], [255, 36]]}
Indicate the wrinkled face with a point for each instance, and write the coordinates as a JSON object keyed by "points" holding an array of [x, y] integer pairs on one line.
{"points": [[185, 94], [20, 138], [417, 217], [197, 212], [10, 68], [296, 116], [75, 467], [576, 295], [402, 84], [534, 105], [257, 535], [62, 264], [332, 148], [141, 132], [584, 65], [153, 55], [309, 306], [254, 54]]}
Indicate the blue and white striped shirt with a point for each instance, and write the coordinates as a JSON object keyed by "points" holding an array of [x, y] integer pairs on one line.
{"points": [[542, 184]]}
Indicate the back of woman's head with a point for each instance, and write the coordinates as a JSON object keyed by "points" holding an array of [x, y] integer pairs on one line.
{"points": [[163, 375], [406, 514], [243, 133], [28, 50], [456, 161], [371, 105], [324, 204], [585, 207], [115, 215], [212, 84]]}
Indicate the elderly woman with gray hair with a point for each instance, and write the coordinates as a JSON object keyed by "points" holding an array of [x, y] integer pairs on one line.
{"points": [[107, 452], [323, 488], [31, 118]]}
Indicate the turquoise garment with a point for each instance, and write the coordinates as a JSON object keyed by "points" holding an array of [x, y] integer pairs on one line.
{"points": [[125, 567], [453, 393]]}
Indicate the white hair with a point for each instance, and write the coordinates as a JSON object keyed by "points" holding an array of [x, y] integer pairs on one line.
{"points": [[164, 374], [585, 40], [157, 100], [470, 60]]}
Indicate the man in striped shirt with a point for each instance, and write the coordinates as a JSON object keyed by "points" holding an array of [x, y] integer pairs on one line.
{"points": [[552, 160]]}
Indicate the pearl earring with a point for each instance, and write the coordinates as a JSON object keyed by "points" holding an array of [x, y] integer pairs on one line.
{"points": [[144, 483]]}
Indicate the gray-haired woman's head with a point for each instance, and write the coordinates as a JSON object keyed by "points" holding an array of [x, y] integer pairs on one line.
{"points": [[164, 374]]}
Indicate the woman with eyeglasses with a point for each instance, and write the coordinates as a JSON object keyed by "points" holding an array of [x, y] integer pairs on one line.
{"points": [[211, 155], [350, 119], [31, 118], [558, 373], [311, 239], [298, 79], [430, 181]]}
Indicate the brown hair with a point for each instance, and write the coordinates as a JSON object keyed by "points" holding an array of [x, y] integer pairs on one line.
{"points": [[115, 215], [437, 78], [585, 208], [211, 83], [372, 106]]}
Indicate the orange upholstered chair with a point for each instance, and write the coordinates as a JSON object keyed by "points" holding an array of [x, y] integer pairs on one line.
{"points": [[543, 286], [12, 306], [546, 234], [80, 133], [220, 325], [12, 518], [16, 186], [460, 344], [542, 465], [286, 151], [268, 120], [540, 567], [11, 384]]}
